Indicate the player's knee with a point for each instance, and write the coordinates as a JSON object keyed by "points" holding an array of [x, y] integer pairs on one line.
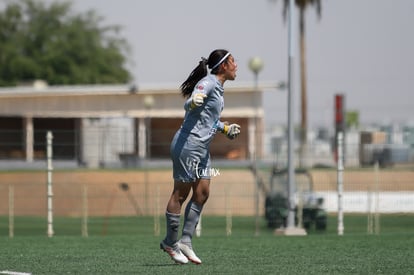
{"points": [[181, 199], [201, 197]]}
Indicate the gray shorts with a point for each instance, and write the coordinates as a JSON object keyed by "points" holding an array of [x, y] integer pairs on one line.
{"points": [[191, 160]]}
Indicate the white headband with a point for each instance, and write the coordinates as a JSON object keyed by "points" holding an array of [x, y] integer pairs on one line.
{"points": [[221, 61]]}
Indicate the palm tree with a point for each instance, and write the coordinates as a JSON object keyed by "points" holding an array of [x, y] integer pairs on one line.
{"points": [[302, 5]]}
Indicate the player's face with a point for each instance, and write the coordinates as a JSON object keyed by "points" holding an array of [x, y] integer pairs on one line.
{"points": [[230, 68]]}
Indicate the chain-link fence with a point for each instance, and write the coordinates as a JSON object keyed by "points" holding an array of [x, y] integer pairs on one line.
{"points": [[85, 195], [102, 173]]}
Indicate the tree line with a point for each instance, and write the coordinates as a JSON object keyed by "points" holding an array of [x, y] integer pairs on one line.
{"points": [[52, 43]]}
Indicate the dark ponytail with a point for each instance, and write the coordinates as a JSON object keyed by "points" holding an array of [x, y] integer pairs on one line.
{"points": [[198, 73], [201, 71]]}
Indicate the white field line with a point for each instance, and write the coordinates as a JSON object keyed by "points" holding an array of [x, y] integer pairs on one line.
{"points": [[7, 272]]}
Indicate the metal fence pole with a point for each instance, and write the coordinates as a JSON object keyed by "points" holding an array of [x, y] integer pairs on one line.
{"points": [[11, 210], [340, 169], [84, 227], [49, 139], [377, 210]]}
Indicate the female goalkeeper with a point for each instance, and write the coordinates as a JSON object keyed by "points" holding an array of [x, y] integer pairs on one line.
{"points": [[190, 152]]}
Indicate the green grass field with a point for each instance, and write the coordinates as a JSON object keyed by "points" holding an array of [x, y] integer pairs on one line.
{"points": [[128, 246]]}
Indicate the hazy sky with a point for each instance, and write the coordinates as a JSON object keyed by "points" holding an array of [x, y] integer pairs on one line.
{"points": [[362, 48]]}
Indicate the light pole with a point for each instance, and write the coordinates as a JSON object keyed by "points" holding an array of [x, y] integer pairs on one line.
{"points": [[291, 229], [148, 104], [256, 65]]}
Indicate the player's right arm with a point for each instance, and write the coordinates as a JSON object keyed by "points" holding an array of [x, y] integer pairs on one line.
{"points": [[197, 97]]}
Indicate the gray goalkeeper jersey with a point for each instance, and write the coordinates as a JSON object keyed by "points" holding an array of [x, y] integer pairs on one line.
{"points": [[202, 123]]}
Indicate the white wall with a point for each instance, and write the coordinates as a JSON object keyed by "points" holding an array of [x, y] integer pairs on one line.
{"points": [[104, 139]]}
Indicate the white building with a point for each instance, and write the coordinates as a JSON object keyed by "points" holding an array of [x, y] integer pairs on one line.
{"points": [[94, 125]]}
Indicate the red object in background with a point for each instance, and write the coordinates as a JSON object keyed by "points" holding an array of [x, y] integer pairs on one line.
{"points": [[339, 110], [339, 118]]}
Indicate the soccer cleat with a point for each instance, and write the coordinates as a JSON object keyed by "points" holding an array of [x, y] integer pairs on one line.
{"points": [[174, 252], [189, 253]]}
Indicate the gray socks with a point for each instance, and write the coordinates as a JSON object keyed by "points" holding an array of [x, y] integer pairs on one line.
{"points": [[192, 216], [173, 223]]}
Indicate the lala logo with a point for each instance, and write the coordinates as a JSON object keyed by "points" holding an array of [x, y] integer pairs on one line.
{"points": [[211, 172], [200, 87], [193, 164]]}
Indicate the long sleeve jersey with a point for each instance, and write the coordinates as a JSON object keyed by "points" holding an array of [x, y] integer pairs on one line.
{"points": [[202, 122]]}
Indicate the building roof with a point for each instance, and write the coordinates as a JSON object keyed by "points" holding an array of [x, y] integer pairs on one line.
{"points": [[119, 100]]}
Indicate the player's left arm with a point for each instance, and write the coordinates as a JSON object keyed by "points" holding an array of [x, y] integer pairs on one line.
{"points": [[230, 130]]}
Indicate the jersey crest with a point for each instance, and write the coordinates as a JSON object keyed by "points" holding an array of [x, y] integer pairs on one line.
{"points": [[200, 87]]}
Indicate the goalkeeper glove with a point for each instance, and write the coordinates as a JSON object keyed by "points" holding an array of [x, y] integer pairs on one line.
{"points": [[232, 130], [197, 100]]}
